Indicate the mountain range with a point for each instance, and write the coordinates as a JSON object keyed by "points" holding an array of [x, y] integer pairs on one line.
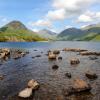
{"points": [[88, 33], [16, 31]]}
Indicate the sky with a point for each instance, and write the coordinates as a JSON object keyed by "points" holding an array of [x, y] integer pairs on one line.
{"points": [[55, 15]]}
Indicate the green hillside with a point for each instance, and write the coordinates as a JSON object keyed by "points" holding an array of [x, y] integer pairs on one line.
{"points": [[16, 31]]}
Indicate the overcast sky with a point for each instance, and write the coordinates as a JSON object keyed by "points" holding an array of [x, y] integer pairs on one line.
{"points": [[55, 15]]}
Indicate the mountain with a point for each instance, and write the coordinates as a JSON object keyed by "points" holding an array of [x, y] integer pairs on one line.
{"points": [[47, 34], [89, 33], [17, 31], [71, 34]]}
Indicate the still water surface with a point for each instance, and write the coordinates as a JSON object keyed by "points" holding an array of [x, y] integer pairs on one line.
{"points": [[53, 83]]}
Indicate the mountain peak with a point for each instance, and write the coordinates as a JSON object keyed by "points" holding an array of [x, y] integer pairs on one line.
{"points": [[16, 25]]}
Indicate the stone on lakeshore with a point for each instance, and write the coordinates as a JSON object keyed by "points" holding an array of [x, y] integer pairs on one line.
{"points": [[27, 92], [33, 84]]}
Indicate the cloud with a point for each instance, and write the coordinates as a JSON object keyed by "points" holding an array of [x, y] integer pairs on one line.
{"points": [[59, 14], [41, 23], [89, 16], [3, 21]]}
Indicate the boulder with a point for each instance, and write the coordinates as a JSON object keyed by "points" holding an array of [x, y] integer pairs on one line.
{"points": [[33, 84], [78, 86], [55, 67], [74, 61], [91, 75], [27, 92]]}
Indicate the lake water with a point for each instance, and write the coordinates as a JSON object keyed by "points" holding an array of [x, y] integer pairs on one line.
{"points": [[53, 83]]}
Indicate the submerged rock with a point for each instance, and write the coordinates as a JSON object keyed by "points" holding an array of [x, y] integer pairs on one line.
{"points": [[27, 92], [93, 58], [55, 67], [38, 56], [91, 75], [74, 61], [1, 77], [33, 84]]}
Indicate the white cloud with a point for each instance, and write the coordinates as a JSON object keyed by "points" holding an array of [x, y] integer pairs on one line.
{"points": [[3, 21], [89, 16], [68, 26], [59, 14], [44, 23]]}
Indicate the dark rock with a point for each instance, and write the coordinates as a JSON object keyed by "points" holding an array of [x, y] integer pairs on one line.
{"points": [[38, 56], [59, 58], [91, 75], [68, 74], [56, 52], [1, 77], [55, 67], [93, 58]]}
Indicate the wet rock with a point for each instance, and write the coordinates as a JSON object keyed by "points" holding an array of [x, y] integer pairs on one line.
{"points": [[56, 52], [27, 92], [91, 75], [74, 49], [33, 57], [68, 74], [1, 77], [38, 56], [33, 84], [79, 85], [51, 56], [60, 58], [6, 51], [74, 61], [55, 67], [90, 53], [93, 58], [2, 55]]}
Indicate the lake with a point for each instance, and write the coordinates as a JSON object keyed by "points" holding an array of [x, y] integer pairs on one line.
{"points": [[53, 83]]}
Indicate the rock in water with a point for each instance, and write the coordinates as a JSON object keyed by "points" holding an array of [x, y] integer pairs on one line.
{"points": [[55, 67], [81, 85], [74, 61], [33, 84], [91, 75], [27, 92]]}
